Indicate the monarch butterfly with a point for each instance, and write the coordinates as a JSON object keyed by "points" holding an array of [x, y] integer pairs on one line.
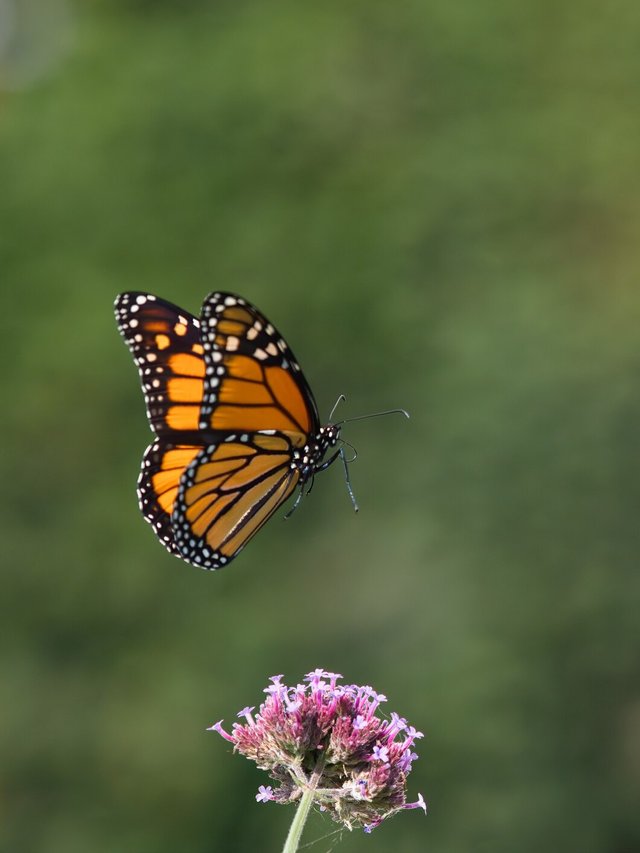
{"points": [[236, 424]]}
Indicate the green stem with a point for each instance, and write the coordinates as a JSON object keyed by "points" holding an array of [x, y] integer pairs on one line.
{"points": [[302, 812], [299, 820]]}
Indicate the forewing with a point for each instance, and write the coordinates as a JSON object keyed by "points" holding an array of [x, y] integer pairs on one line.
{"points": [[165, 343], [227, 493], [253, 380]]}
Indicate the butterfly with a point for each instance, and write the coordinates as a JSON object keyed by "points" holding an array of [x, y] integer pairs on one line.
{"points": [[236, 424]]}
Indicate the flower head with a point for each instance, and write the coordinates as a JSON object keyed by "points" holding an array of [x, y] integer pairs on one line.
{"points": [[326, 738]]}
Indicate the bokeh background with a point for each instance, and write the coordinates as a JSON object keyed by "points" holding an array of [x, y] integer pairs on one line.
{"points": [[439, 205]]}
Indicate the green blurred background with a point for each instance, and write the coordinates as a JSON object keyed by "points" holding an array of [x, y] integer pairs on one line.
{"points": [[438, 205]]}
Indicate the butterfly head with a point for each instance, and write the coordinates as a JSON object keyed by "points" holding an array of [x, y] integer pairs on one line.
{"points": [[310, 458], [329, 436]]}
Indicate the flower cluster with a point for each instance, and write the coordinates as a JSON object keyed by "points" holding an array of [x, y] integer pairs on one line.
{"points": [[326, 738]]}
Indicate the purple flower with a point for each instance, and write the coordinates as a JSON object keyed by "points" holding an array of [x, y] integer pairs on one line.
{"points": [[217, 727], [359, 722], [246, 713], [380, 753], [325, 740], [265, 793], [419, 804]]}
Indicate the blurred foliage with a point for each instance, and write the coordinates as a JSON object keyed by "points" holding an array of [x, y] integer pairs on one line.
{"points": [[438, 205]]}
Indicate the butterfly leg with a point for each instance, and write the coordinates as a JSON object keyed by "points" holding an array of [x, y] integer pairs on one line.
{"points": [[348, 479], [328, 462], [297, 501]]}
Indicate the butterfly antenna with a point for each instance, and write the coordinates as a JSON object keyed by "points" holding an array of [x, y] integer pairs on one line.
{"points": [[374, 415], [341, 399]]}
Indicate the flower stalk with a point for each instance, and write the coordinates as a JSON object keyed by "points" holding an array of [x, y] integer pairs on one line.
{"points": [[302, 812]]}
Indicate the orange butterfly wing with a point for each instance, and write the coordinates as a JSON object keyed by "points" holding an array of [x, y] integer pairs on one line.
{"points": [[230, 406], [165, 343], [253, 380], [163, 466], [228, 492]]}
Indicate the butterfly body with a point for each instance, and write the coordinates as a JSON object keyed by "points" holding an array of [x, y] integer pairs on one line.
{"points": [[237, 428]]}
